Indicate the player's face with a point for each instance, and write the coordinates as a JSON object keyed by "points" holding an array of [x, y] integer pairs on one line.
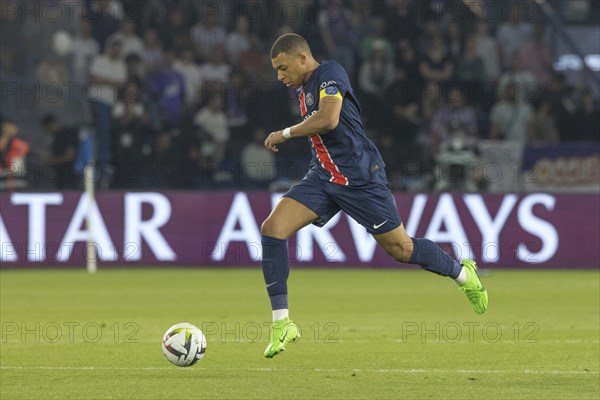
{"points": [[290, 69]]}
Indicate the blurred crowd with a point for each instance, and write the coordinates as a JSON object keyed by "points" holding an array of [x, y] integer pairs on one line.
{"points": [[181, 94]]}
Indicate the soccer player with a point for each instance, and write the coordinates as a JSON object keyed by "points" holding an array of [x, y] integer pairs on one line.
{"points": [[346, 173]]}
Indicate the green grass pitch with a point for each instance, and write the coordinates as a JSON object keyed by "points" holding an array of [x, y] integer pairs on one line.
{"points": [[365, 334]]}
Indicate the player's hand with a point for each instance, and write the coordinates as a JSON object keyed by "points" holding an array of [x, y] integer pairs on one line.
{"points": [[273, 140]]}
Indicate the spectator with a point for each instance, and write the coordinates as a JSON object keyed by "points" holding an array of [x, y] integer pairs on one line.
{"points": [[335, 24], [544, 129], [129, 110], [63, 152], [251, 60], [273, 18], [238, 41], [161, 168], [83, 48], [130, 42], [512, 120], [458, 167], [13, 157], [470, 67], [131, 125], [189, 163], [376, 73], [208, 34], [488, 51], [168, 88], [107, 74], [527, 88], [437, 64], [258, 163], [431, 102], [11, 33], [236, 109], [512, 34], [402, 111], [192, 76], [51, 72], [273, 104], [536, 57], [152, 57], [377, 35], [454, 115], [588, 119], [563, 105], [217, 69], [134, 70], [362, 18], [176, 32], [104, 15], [429, 30], [394, 151], [400, 114], [35, 35], [406, 62], [214, 130], [455, 39], [309, 30], [401, 21], [153, 14]]}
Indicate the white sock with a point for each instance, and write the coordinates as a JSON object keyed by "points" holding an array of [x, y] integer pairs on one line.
{"points": [[462, 277], [280, 314]]}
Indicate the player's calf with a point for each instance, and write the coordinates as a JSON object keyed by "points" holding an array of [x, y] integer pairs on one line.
{"points": [[396, 243]]}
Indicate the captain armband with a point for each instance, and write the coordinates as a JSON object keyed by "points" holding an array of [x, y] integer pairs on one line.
{"points": [[330, 91]]}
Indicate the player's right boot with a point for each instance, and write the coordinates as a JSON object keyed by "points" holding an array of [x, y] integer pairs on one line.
{"points": [[283, 331], [473, 287]]}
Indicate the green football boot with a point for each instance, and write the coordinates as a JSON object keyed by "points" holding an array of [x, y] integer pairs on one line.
{"points": [[473, 287], [283, 331]]}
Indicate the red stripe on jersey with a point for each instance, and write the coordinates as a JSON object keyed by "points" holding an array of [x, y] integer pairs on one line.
{"points": [[303, 109], [327, 162], [322, 154]]}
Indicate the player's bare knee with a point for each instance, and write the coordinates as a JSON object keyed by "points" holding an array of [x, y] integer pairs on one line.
{"points": [[272, 229], [266, 228]]}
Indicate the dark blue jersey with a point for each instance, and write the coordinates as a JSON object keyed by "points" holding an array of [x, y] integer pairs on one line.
{"points": [[344, 155]]}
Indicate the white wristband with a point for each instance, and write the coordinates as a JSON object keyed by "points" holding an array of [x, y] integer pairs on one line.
{"points": [[287, 133]]}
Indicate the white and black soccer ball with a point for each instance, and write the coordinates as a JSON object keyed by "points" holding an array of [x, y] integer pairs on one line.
{"points": [[184, 344]]}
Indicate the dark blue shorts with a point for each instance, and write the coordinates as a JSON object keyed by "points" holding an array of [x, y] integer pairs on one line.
{"points": [[373, 206]]}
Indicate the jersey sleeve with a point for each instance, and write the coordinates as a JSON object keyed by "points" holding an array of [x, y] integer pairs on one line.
{"points": [[333, 81]]}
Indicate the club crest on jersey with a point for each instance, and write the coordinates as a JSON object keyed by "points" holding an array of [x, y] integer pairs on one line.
{"points": [[309, 99], [331, 90]]}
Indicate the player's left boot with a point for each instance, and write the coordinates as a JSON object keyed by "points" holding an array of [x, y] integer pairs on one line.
{"points": [[283, 331], [473, 287]]}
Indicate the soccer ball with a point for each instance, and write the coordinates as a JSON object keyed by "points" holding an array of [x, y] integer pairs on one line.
{"points": [[184, 344]]}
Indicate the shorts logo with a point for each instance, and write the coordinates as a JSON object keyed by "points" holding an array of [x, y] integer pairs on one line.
{"points": [[331, 90], [309, 99]]}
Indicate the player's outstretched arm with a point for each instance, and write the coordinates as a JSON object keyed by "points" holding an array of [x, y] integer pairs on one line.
{"points": [[324, 120]]}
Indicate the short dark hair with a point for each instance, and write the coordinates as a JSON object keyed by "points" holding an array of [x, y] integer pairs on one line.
{"points": [[289, 43]]}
